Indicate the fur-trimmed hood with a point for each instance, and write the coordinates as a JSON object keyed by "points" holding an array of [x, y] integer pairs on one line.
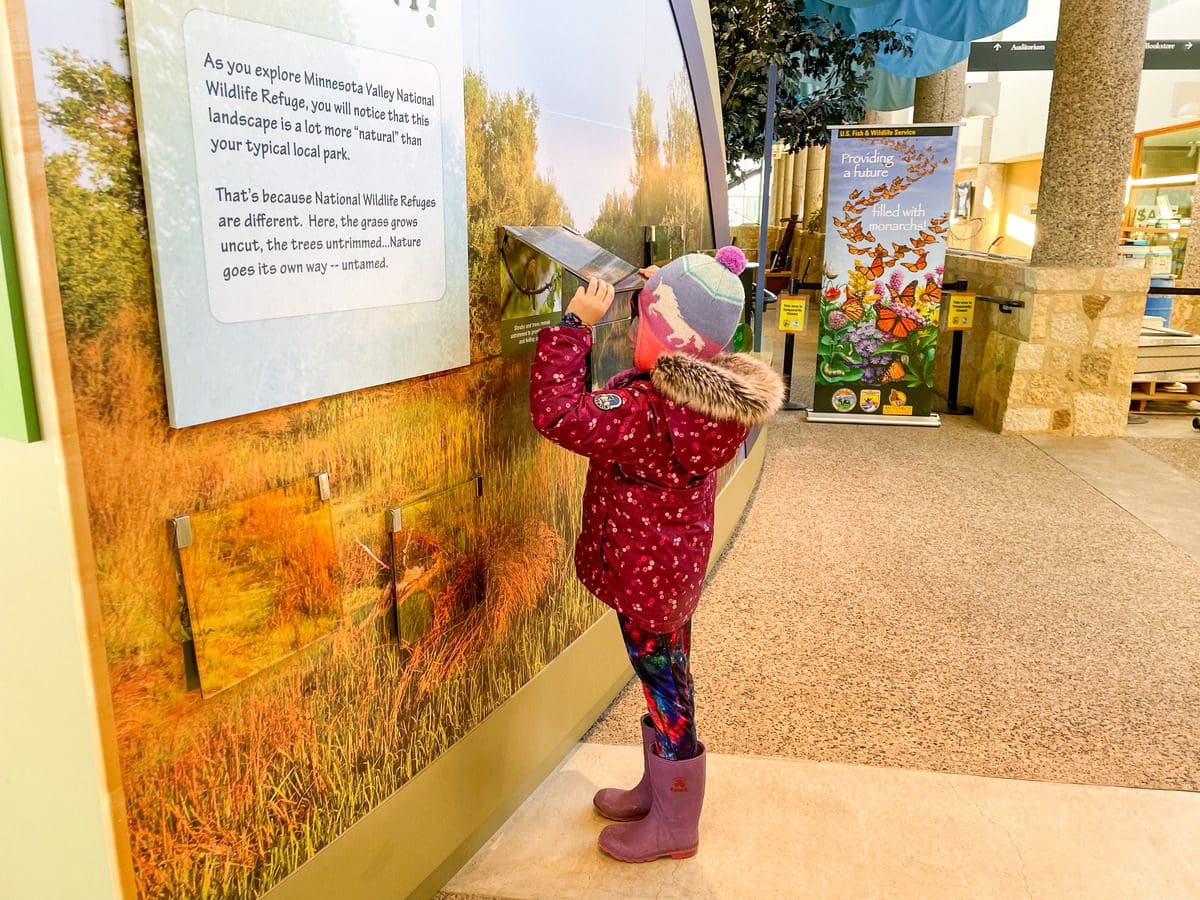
{"points": [[730, 387]]}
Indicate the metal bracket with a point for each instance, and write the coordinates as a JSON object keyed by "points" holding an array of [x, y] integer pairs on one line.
{"points": [[1006, 305], [182, 526], [395, 515], [323, 489]]}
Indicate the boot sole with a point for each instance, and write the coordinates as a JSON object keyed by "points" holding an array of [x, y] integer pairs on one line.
{"points": [[673, 854], [605, 815]]}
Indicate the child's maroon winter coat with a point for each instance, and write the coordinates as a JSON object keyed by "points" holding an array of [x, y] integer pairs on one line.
{"points": [[655, 441]]}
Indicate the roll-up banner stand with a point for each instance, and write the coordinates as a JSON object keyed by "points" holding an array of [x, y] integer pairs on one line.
{"points": [[887, 218]]}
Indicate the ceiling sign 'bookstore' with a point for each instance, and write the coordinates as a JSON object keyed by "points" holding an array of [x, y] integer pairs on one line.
{"points": [[307, 195], [1038, 56]]}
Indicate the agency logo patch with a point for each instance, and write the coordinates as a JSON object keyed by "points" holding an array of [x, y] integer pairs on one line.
{"points": [[869, 401], [844, 400], [607, 402]]}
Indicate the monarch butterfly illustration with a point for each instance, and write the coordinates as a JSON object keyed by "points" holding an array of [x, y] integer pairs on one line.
{"points": [[907, 297], [891, 322], [918, 266], [855, 194], [853, 309], [899, 250], [841, 223], [933, 292], [895, 372], [875, 270]]}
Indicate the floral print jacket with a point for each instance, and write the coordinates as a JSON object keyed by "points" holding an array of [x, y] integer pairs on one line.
{"points": [[655, 440]]}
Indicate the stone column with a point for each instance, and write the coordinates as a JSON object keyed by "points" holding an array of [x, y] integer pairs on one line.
{"points": [[1191, 262], [814, 183], [1089, 139], [776, 189], [787, 164], [800, 176], [875, 117], [942, 96], [1186, 314]]}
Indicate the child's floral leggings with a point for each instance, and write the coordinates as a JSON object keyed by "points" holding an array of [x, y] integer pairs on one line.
{"points": [[661, 662]]}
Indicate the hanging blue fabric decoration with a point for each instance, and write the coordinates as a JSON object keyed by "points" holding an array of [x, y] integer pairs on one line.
{"points": [[930, 54], [889, 92], [953, 20]]}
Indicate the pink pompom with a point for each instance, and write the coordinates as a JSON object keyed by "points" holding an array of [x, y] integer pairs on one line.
{"points": [[733, 259]]}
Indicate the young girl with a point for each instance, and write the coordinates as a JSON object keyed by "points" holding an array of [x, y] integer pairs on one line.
{"points": [[655, 436]]}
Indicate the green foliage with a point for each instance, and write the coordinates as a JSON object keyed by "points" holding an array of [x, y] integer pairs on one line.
{"points": [[751, 34], [96, 197], [503, 188], [103, 257], [669, 183], [94, 110]]}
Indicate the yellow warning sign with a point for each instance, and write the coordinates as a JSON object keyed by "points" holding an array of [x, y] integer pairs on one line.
{"points": [[960, 311], [793, 314]]}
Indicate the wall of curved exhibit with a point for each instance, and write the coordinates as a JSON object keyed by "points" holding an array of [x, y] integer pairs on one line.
{"points": [[320, 603]]}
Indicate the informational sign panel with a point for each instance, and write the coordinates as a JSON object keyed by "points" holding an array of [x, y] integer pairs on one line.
{"points": [[306, 183], [793, 314], [1038, 56], [960, 311], [888, 213]]}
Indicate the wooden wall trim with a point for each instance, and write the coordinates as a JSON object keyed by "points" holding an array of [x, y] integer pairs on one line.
{"points": [[36, 264]]}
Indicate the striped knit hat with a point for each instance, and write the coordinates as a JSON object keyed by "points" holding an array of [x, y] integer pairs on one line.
{"points": [[693, 305]]}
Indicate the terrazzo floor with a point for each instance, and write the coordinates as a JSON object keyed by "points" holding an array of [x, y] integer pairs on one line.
{"points": [[1183, 453], [948, 600]]}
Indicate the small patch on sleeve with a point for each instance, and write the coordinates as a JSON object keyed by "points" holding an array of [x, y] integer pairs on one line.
{"points": [[607, 402]]}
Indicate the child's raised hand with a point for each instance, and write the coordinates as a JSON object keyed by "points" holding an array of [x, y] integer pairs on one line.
{"points": [[648, 272], [592, 302]]}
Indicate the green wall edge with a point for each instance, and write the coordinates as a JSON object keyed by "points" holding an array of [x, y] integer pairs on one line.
{"points": [[18, 404], [413, 843]]}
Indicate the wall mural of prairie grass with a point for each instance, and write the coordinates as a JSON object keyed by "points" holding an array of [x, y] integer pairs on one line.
{"points": [[227, 795]]}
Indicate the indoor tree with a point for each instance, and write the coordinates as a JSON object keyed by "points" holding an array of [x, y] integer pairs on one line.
{"points": [[824, 74]]}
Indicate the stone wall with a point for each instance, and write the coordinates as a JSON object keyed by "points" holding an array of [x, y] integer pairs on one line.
{"points": [[1064, 363], [1185, 315]]}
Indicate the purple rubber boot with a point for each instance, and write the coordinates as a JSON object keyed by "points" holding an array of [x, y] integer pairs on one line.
{"points": [[631, 805], [672, 827]]}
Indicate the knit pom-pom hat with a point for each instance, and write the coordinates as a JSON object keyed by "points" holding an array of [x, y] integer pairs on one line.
{"points": [[693, 305]]}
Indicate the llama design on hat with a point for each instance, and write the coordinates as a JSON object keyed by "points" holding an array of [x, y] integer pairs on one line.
{"points": [[694, 304], [680, 334]]}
